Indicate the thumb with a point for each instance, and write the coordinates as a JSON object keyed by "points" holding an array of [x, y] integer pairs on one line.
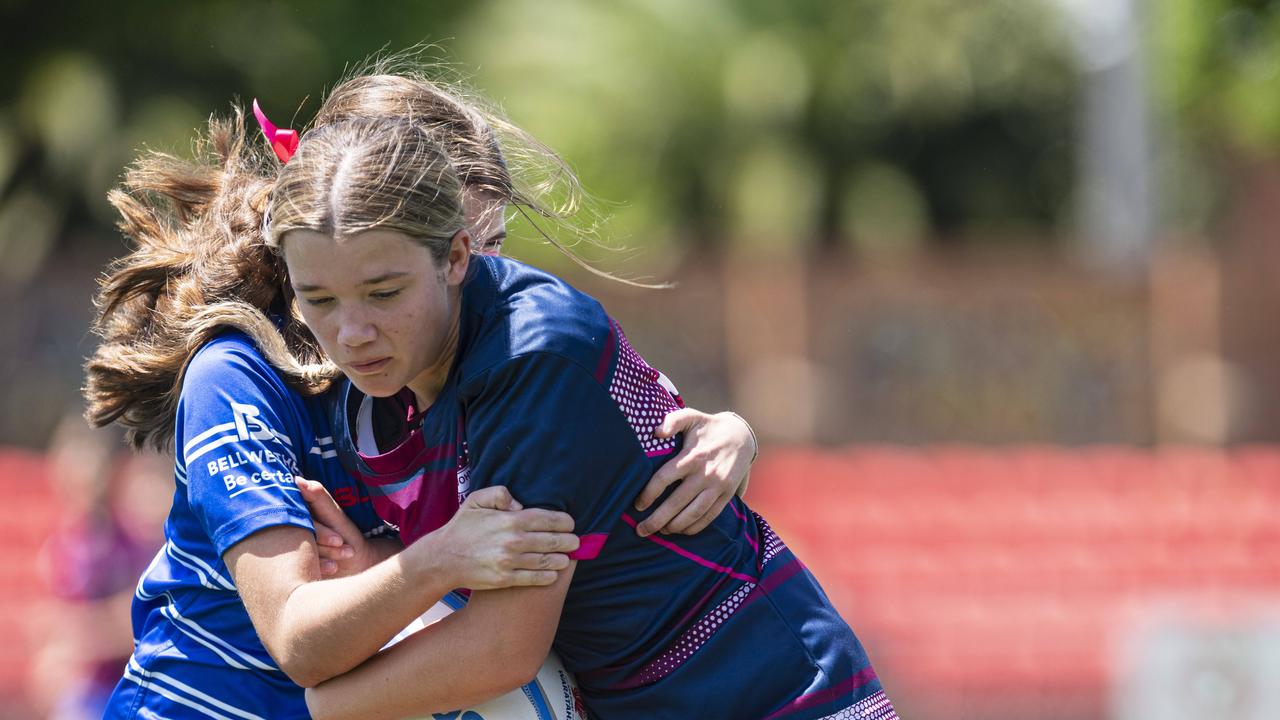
{"points": [[323, 507], [314, 494], [677, 421]]}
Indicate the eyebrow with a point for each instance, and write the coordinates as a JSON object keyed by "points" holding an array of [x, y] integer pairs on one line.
{"points": [[393, 275]]}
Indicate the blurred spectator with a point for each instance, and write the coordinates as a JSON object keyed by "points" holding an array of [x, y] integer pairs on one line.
{"points": [[113, 508]]}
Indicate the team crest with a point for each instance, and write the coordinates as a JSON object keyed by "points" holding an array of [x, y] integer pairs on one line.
{"points": [[249, 426]]}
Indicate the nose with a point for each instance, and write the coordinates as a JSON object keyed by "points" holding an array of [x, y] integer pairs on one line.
{"points": [[355, 329]]}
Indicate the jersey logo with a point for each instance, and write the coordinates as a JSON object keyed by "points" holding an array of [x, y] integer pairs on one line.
{"points": [[464, 483], [249, 426]]}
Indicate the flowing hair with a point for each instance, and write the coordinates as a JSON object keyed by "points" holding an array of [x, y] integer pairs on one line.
{"points": [[200, 260], [198, 265], [491, 155]]}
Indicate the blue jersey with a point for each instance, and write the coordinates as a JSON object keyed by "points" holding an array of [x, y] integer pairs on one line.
{"points": [[242, 437], [548, 398]]}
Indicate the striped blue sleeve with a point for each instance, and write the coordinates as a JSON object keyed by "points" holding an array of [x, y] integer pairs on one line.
{"points": [[240, 443]]}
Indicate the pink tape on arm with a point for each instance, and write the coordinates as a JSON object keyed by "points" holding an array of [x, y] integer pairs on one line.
{"points": [[589, 546]]}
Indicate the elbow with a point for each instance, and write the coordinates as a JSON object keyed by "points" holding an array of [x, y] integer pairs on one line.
{"points": [[303, 674], [525, 673], [508, 663], [521, 666], [303, 668], [510, 679]]}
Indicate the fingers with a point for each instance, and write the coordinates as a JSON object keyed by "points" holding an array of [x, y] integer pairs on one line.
{"points": [[672, 506], [340, 552], [545, 542], [315, 493], [331, 548], [539, 520], [709, 517], [671, 471], [678, 421], [327, 536], [324, 509], [703, 507], [541, 561], [532, 578], [497, 497]]}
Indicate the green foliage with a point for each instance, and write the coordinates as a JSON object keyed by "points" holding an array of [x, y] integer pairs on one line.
{"points": [[1217, 71], [761, 123], [748, 122]]}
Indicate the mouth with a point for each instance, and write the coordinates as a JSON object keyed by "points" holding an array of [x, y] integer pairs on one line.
{"points": [[369, 367]]}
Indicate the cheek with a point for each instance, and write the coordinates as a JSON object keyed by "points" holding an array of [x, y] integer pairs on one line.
{"points": [[315, 322], [406, 324], [411, 325]]}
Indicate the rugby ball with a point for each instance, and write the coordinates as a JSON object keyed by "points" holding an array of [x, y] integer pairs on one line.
{"points": [[553, 694]]}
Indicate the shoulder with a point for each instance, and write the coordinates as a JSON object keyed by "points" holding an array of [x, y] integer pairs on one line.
{"points": [[228, 381], [228, 361], [519, 311]]}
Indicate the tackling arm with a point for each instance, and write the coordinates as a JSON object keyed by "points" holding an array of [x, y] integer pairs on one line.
{"points": [[495, 644]]}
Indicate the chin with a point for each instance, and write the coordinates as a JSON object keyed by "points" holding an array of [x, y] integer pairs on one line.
{"points": [[376, 386]]}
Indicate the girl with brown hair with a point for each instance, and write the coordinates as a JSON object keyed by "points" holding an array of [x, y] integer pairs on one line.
{"points": [[488, 373], [200, 349]]}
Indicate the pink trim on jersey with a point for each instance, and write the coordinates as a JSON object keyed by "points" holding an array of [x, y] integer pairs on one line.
{"points": [[871, 707], [859, 679], [589, 546], [688, 644], [702, 603], [746, 532], [411, 452], [696, 558], [641, 398], [691, 640], [427, 483], [781, 575], [606, 357]]}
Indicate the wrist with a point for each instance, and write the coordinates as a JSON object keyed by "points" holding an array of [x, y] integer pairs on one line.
{"points": [[426, 565], [755, 442], [381, 548]]}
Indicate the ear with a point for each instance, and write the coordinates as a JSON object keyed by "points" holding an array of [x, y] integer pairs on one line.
{"points": [[459, 258]]}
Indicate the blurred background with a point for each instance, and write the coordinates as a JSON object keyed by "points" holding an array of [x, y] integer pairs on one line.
{"points": [[992, 280]]}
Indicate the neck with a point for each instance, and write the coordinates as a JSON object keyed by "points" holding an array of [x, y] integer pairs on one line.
{"points": [[427, 385]]}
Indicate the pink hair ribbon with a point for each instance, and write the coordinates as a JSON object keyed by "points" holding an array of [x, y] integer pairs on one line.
{"points": [[284, 142]]}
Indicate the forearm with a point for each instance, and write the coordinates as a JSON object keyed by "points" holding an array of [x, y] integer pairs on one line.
{"points": [[328, 627], [438, 669], [494, 645]]}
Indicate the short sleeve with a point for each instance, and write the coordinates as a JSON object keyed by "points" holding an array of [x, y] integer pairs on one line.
{"points": [[545, 428], [240, 443]]}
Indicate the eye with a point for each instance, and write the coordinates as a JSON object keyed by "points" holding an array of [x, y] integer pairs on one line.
{"points": [[384, 294], [317, 301]]}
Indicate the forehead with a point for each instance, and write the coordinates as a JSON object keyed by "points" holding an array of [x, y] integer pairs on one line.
{"points": [[477, 204], [321, 260]]}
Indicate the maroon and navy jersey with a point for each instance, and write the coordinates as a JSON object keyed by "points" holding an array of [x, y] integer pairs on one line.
{"points": [[548, 398]]}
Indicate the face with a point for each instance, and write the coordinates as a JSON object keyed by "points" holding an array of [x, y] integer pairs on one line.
{"points": [[383, 310], [486, 220]]}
